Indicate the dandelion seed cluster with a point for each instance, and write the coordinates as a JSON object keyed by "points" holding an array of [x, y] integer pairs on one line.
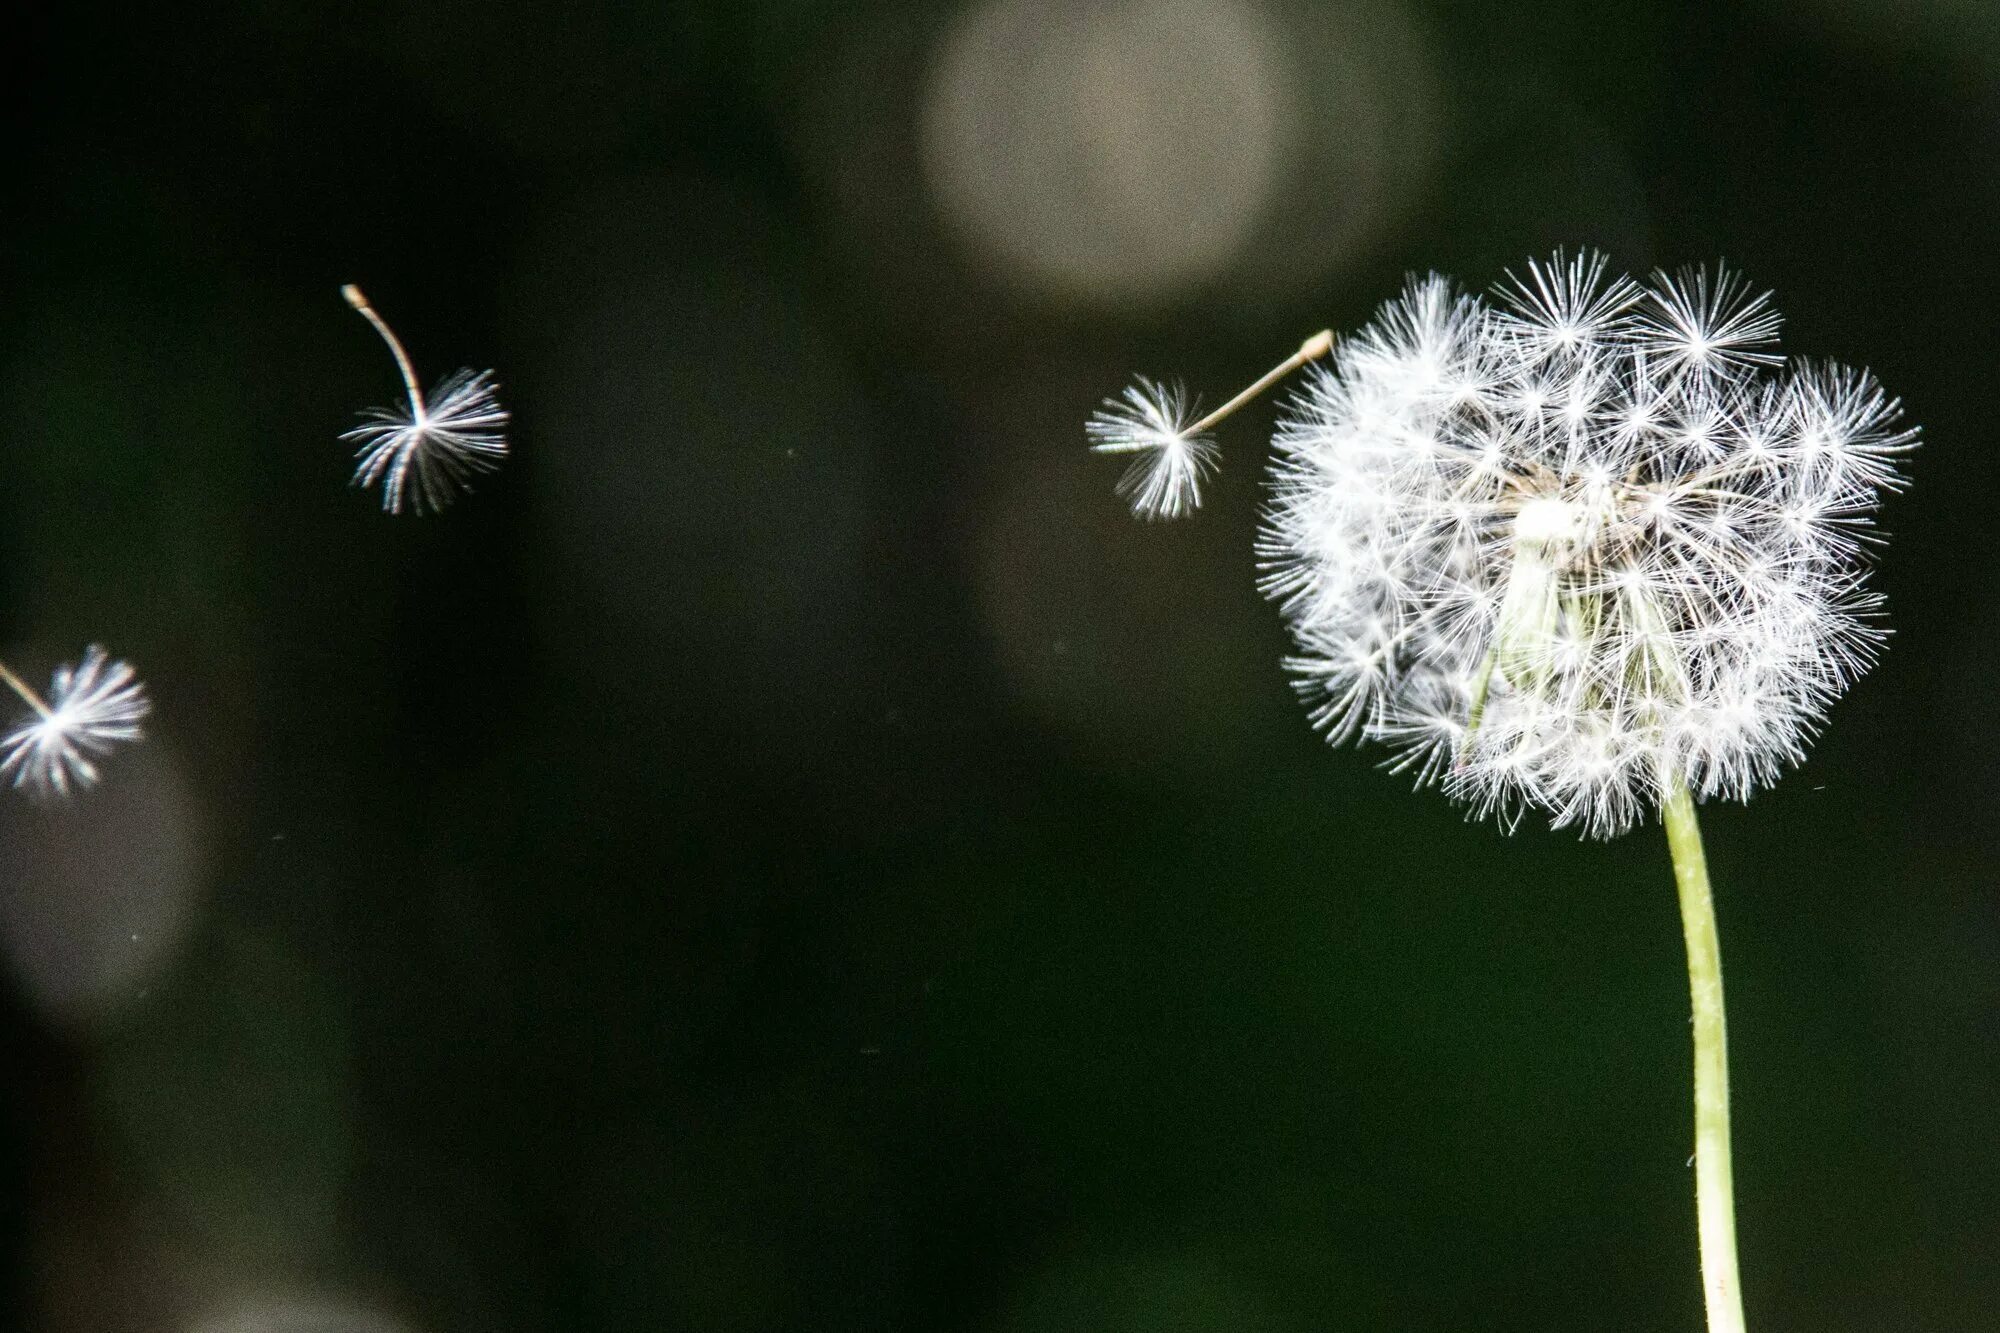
{"points": [[1564, 548]]}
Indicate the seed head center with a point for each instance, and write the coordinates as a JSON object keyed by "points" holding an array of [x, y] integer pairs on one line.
{"points": [[1547, 522]]}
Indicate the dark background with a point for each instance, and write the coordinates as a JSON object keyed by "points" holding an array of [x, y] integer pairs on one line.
{"points": [[790, 851]]}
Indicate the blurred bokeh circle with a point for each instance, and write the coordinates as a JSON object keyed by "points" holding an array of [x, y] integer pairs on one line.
{"points": [[98, 892], [1120, 152], [1123, 158], [313, 1313]]}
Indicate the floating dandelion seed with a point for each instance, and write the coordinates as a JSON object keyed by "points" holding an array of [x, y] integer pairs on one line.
{"points": [[1593, 550], [91, 707], [1175, 455], [425, 455], [1152, 421]]}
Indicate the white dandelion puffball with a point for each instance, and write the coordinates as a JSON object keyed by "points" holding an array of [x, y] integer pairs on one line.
{"points": [[91, 707], [1151, 420], [1569, 549], [427, 451]]}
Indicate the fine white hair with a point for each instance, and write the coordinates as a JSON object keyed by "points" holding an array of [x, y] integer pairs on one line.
{"points": [[1565, 548], [1152, 420], [92, 707], [427, 451], [425, 454]]}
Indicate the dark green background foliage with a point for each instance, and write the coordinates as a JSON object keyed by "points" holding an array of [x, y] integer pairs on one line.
{"points": [[790, 852]]}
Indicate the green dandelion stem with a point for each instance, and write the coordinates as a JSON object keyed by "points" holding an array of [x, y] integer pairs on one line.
{"points": [[1714, 1191]]}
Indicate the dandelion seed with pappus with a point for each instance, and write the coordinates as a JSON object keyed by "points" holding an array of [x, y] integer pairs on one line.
{"points": [[1175, 453], [426, 454], [91, 708], [1591, 549]]}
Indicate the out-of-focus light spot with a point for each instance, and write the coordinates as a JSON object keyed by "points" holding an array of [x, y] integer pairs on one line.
{"points": [[298, 1314], [1363, 141], [1114, 153], [1234, 155], [97, 890]]}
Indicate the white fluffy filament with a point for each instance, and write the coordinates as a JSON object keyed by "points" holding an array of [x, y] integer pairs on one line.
{"points": [[1552, 548]]}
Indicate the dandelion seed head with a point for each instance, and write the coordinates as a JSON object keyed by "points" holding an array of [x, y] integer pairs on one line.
{"points": [[1559, 548], [91, 707]]}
